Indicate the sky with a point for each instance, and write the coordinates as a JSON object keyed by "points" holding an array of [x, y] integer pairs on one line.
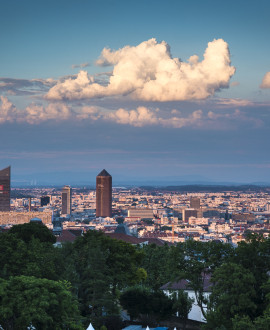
{"points": [[160, 92]]}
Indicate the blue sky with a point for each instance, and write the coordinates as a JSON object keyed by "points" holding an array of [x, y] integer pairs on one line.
{"points": [[146, 108]]}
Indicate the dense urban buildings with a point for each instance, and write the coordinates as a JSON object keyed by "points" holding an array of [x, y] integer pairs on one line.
{"points": [[5, 189], [104, 194], [66, 200], [149, 213]]}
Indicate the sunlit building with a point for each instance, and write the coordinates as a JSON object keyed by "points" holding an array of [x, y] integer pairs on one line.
{"points": [[66, 200], [104, 194]]}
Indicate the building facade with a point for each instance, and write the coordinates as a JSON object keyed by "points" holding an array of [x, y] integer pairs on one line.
{"points": [[103, 194], [195, 202], [141, 213], [18, 218], [5, 190], [66, 200]]}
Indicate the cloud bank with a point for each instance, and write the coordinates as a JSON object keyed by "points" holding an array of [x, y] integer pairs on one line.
{"points": [[32, 114], [138, 117], [148, 72], [266, 81]]}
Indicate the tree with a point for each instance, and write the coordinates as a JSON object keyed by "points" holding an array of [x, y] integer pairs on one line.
{"points": [[43, 303], [182, 304], [142, 302], [200, 260], [33, 258], [98, 268], [232, 294], [254, 255], [29, 230], [161, 264]]}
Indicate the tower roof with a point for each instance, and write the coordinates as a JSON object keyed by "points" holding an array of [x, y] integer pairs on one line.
{"points": [[103, 173], [5, 172]]}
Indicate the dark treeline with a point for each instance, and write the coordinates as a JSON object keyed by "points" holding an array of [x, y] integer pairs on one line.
{"points": [[209, 188], [94, 278]]}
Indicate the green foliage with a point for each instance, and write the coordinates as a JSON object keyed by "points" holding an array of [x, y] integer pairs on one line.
{"points": [[139, 300], [113, 322], [30, 230], [33, 258], [161, 263], [103, 327], [254, 255], [98, 268], [43, 303], [233, 294], [182, 303]]}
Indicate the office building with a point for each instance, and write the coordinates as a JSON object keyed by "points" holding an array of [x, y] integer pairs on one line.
{"points": [[141, 213], [66, 200], [195, 202], [5, 190], [187, 213], [104, 194]]}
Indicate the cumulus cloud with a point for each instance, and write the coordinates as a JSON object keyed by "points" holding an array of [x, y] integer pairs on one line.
{"points": [[33, 113], [149, 72], [88, 112], [266, 81], [138, 118], [7, 110], [143, 116]]}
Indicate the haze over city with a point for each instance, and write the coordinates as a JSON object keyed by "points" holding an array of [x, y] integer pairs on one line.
{"points": [[154, 91]]}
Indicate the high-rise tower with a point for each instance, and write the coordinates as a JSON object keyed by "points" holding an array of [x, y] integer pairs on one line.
{"points": [[5, 189], [66, 200], [195, 202], [104, 194]]}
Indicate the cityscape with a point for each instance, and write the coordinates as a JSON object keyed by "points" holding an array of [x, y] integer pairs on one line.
{"points": [[154, 213], [134, 165], [164, 217]]}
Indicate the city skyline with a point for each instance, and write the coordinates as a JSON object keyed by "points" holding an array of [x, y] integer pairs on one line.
{"points": [[153, 91]]}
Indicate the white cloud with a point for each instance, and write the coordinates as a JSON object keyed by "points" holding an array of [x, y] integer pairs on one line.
{"points": [[55, 111], [266, 81], [139, 117], [88, 112], [7, 110], [33, 114], [148, 72], [143, 116]]}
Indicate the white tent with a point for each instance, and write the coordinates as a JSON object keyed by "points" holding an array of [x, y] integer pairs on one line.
{"points": [[90, 327], [147, 328]]}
